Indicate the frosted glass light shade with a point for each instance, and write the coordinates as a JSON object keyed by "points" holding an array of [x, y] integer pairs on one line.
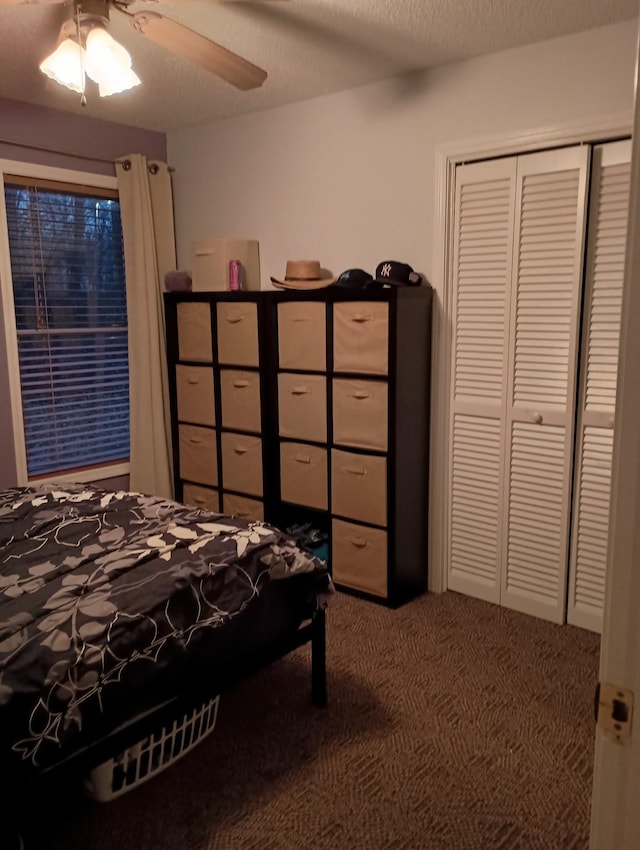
{"points": [[108, 64], [65, 65]]}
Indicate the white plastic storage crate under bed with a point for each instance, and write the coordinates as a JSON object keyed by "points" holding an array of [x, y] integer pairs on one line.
{"points": [[153, 754]]}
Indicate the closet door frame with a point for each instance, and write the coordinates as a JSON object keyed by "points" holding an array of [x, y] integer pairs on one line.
{"points": [[447, 158]]}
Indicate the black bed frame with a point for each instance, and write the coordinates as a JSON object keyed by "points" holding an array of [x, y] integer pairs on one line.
{"points": [[77, 765]]}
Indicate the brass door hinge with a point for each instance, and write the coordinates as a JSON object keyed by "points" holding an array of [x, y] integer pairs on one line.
{"points": [[614, 711]]}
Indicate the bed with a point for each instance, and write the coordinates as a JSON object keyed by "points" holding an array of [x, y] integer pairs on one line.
{"points": [[118, 610]]}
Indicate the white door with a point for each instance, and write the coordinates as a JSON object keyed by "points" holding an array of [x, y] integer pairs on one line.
{"points": [[611, 172], [542, 357], [518, 252], [615, 822], [484, 213]]}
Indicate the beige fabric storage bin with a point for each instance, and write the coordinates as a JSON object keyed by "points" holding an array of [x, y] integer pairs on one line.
{"points": [[302, 335], [360, 413], [194, 331], [238, 333], [210, 263], [359, 557], [361, 337], [359, 486], [242, 463], [243, 507], [240, 395], [303, 475], [201, 497], [302, 406], [194, 392], [198, 457]]}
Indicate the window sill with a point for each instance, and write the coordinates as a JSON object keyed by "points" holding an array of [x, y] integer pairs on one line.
{"points": [[97, 473]]}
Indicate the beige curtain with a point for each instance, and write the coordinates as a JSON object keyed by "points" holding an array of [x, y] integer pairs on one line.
{"points": [[146, 204]]}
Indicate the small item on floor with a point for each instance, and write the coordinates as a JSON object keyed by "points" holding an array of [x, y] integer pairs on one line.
{"points": [[322, 552], [313, 539]]}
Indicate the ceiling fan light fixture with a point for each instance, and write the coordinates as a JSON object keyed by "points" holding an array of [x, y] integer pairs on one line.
{"points": [[66, 65], [118, 82], [108, 63], [86, 49]]}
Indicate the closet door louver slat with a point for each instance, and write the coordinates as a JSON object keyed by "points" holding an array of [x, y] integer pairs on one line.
{"points": [[483, 251], [603, 299], [534, 534], [475, 494], [542, 357]]}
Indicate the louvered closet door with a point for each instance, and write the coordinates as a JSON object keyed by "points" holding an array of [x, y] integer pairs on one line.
{"points": [[545, 302], [485, 195], [596, 400]]}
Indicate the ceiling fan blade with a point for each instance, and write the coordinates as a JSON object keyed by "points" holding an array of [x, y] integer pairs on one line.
{"points": [[198, 49]]}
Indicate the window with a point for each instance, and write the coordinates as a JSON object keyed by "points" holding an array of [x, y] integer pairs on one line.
{"points": [[68, 290]]}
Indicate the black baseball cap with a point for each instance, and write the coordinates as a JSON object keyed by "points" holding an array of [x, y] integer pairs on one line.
{"points": [[356, 279], [397, 274]]}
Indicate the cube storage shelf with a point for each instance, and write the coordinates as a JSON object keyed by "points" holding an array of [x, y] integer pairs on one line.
{"points": [[310, 407]]}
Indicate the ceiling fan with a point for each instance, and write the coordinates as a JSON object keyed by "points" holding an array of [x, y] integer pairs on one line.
{"points": [[85, 46]]}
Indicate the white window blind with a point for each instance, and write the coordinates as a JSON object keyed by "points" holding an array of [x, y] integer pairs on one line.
{"points": [[67, 269]]}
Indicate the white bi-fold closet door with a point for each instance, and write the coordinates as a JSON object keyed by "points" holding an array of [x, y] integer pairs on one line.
{"points": [[518, 257], [517, 535], [606, 244]]}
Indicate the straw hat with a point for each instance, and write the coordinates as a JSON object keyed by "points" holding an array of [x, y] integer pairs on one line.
{"points": [[303, 274]]}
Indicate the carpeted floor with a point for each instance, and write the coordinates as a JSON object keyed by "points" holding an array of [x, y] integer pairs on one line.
{"points": [[453, 724]]}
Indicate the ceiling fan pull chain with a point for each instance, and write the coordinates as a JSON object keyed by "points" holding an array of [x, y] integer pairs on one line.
{"points": [[83, 97]]}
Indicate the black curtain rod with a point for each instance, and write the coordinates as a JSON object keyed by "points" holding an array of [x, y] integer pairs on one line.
{"points": [[58, 152]]}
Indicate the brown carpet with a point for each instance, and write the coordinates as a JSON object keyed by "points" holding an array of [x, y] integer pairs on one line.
{"points": [[453, 724]]}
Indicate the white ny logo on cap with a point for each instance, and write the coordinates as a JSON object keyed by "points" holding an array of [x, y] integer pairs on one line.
{"points": [[386, 270]]}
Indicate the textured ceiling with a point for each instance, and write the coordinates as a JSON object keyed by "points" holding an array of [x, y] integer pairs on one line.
{"points": [[308, 49]]}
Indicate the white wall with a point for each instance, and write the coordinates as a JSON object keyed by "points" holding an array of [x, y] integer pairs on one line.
{"points": [[348, 179]]}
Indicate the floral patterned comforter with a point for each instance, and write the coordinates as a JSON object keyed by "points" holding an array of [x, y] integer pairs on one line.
{"points": [[106, 596]]}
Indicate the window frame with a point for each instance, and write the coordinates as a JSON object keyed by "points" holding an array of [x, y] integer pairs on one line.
{"points": [[63, 175]]}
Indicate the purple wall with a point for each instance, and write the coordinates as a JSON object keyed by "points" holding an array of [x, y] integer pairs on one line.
{"points": [[25, 126], [75, 135]]}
